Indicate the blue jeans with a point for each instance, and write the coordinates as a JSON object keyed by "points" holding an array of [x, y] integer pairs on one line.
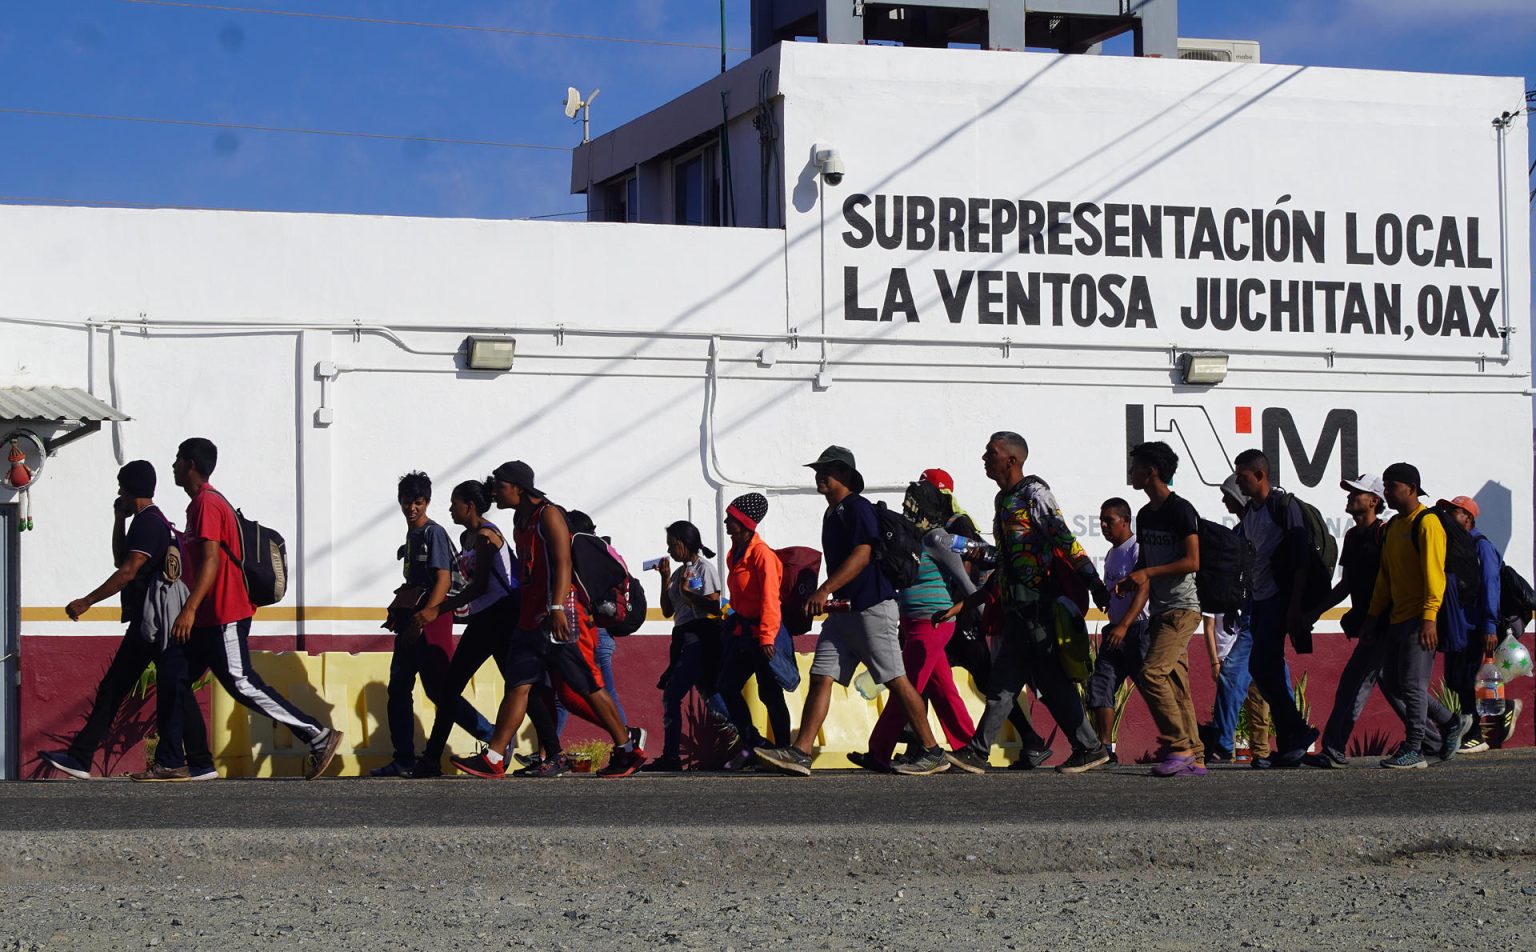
{"points": [[1268, 667], [604, 656], [430, 662], [1232, 686]]}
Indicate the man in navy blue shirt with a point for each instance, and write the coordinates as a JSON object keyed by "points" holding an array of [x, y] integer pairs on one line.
{"points": [[867, 632]]}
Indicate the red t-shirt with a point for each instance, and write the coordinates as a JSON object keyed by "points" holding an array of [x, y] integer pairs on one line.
{"points": [[210, 517]]}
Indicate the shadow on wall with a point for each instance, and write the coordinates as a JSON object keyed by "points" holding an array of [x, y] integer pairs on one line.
{"points": [[1496, 513]]}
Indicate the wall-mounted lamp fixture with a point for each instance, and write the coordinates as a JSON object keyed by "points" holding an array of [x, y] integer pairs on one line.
{"points": [[490, 353], [1204, 369]]}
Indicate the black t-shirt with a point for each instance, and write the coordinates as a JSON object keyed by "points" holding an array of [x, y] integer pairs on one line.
{"points": [[147, 533], [1360, 559], [1162, 534], [846, 526]]}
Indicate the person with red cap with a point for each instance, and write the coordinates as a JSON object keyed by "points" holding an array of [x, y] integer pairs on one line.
{"points": [[1482, 614]]}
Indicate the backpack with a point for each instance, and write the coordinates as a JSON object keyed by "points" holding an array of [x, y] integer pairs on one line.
{"points": [[898, 547], [1460, 553], [1226, 569], [603, 582], [263, 561], [1324, 556], [1516, 599], [802, 568], [167, 592]]}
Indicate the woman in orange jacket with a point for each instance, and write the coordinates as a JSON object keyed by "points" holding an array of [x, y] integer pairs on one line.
{"points": [[756, 641]]}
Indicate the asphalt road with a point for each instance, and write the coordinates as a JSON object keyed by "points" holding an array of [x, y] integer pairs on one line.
{"points": [[1494, 784]]}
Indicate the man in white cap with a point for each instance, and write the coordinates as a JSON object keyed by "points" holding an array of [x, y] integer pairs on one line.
{"points": [[1360, 561]]}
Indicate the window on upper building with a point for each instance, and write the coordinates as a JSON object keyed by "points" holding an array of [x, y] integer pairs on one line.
{"points": [[696, 189], [622, 202]]}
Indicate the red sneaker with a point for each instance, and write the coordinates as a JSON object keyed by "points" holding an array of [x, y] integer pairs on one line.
{"points": [[480, 766], [622, 763]]}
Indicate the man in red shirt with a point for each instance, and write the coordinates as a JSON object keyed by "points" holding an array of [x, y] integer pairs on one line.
{"points": [[211, 631]]}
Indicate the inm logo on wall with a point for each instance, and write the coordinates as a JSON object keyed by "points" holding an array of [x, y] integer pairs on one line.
{"points": [[1209, 447]]}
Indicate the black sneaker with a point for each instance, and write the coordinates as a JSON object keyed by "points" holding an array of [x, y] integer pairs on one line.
{"points": [[1218, 755], [1082, 761], [1031, 758], [862, 760], [787, 759], [622, 763], [547, 768], [531, 764], [427, 768], [930, 761], [967, 760], [392, 769], [1452, 734], [65, 763]]}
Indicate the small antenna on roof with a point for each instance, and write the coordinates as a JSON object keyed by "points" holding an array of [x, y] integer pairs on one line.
{"points": [[574, 104]]}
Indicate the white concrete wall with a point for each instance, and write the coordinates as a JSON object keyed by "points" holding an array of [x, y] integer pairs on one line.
{"points": [[617, 424]]}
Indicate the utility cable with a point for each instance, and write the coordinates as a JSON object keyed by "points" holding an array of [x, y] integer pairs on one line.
{"points": [[465, 27], [249, 127]]}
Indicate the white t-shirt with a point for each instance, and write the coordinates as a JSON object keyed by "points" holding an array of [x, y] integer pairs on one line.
{"points": [[1224, 639], [1119, 563], [699, 577]]}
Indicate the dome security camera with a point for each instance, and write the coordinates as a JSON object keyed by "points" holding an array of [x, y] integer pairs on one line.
{"points": [[831, 165]]}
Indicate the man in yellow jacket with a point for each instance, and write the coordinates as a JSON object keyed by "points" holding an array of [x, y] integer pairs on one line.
{"points": [[1410, 588]]}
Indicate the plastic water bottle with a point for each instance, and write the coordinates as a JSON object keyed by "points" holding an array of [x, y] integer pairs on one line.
{"points": [[696, 582], [1490, 690], [864, 683], [974, 550]]}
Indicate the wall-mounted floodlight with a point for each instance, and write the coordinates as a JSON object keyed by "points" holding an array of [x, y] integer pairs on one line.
{"points": [[1204, 369], [490, 353]]}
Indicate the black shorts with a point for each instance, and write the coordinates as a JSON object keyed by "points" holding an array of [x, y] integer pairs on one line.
{"points": [[532, 655]]}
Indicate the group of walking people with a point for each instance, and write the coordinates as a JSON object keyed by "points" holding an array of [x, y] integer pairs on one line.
{"points": [[907, 596]]}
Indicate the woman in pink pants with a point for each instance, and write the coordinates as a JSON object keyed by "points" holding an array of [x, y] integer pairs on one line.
{"points": [[923, 645]]}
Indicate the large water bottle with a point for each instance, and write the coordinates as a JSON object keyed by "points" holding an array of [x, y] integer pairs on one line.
{"points": [[866, 685], [1490, 690], [974, 550]]}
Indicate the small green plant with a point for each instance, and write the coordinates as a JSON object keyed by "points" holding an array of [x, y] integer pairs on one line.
{"points": [[1122, 698], [147, 680], [594, 752], [1440, 692]]}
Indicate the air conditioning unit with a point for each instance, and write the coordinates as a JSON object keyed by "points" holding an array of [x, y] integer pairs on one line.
{"points": [[1219, 51]]}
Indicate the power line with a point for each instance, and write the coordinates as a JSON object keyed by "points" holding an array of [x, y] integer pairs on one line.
{"points": [[248, 127], [465, 27]]}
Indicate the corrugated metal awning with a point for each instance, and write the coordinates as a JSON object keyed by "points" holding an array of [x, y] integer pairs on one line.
{"points": [[55, 405]]}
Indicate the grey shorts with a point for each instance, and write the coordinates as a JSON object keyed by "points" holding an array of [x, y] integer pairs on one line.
{"points": [[871, 637]]}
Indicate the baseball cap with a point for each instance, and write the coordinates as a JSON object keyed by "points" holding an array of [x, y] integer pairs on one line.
{"points": [[517, 473], [1466, 504], [1365, 483], [939, 478], [1405, 473]]}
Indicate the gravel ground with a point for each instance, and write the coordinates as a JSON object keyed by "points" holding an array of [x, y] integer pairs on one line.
{"points": [[1408, 875]]}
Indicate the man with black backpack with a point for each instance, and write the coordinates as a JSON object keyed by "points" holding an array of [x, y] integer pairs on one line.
{"points": [[1286, 566], [212, 629], [1034, 542], [866, 630], [141, 539], [1410, 589]]}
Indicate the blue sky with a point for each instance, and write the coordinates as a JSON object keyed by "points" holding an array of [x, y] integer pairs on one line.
{"points": [[171, 61]]}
